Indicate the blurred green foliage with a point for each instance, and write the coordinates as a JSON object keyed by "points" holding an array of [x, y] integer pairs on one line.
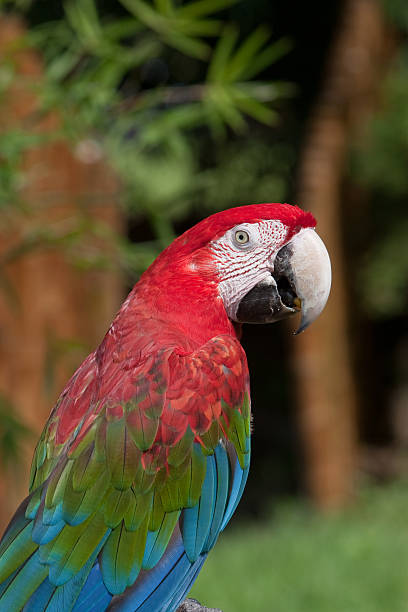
{"points": [[97, 71], [12, 431], [379, 165], [246, 170], [397, 12], [298, 561]]}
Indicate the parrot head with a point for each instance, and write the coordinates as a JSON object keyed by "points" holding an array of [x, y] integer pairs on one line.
{"points": [[263, 262], [270, 269]]}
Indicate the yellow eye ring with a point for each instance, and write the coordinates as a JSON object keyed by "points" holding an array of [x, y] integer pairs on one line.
{"points": [[241, 237]]}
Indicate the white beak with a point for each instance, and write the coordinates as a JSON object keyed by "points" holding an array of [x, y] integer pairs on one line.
{"points": [[311, 274]]}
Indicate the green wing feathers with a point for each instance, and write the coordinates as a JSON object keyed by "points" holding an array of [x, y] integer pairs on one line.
{"points": [[114, 481]]}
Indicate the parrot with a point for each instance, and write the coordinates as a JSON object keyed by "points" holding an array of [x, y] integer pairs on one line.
{"points": [[146, 452]]}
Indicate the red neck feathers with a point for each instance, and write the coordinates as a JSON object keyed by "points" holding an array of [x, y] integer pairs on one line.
{"points": [[179, 296]]}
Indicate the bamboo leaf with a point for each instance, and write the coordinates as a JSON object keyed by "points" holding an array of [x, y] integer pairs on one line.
{"points": [[165, 7], [255, 109], [222, 54], [85, 22], [246, 53], [268, 56], [63, 64], [221, 99], [184, 117], [199, 27], [204, 7], [233, 117], [188, 45], [122, 28], [145, 13]]}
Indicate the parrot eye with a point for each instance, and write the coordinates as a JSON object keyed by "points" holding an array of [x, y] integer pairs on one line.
{"points": [[241, 237]]}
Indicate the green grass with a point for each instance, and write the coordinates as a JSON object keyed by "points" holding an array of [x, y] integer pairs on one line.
{"points": [[301, 561]]}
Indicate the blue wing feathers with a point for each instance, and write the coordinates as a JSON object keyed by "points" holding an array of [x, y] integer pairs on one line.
{"points": [[40, 598], [26, 580], [196, 521], [149, 581], [160, 597], [65, 596], [239, 478], [5, 583], [187, 583], [94, 597], [157, 541], [44, 533], [222, 473], [206, 505]]}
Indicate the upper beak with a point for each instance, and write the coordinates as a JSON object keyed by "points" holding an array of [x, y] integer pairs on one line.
{"points": [[305, 263], [300, 281]]}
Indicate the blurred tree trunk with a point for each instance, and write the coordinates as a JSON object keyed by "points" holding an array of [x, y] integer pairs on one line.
{"points": [[322, 360], [53, 304]]}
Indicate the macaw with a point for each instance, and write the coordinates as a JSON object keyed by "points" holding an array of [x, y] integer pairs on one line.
{"points": [[146, 453]]}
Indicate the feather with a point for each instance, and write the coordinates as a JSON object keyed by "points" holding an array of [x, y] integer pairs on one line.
{"points": [[88, 468], [221, 496], [116, 505], [238, 481], [186, 584], [121, 558], [152, 588], [94, 596], [106, 519], [25, 581], [137, 510], [19, 548], [157, 541], [196, 521]]}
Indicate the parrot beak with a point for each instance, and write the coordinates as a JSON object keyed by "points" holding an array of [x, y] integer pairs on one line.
{"points": [[304, 262], [300, 282]]}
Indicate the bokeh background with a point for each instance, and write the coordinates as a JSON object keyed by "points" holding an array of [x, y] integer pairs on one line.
{"points": [[124, 122]]}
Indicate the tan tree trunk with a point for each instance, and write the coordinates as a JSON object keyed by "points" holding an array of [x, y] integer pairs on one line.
{"points": [[322, 360], [56, 304]]}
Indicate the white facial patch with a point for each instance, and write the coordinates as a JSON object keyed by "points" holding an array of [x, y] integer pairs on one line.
{"points": [[244, 257]]}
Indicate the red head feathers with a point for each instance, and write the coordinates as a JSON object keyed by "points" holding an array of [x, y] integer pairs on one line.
{"points": [[214, 226]]}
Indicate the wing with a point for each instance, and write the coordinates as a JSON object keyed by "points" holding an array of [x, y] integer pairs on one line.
{"points": [[139, 468]]}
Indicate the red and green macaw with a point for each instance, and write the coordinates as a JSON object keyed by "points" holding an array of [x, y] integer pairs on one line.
{"points": [[146, 453]]}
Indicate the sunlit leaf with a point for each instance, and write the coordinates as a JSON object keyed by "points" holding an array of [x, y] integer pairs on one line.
{"points": [[176, 27], [165, 7], [191, 46], [255, 109], [246, 53], [265, 58], [122, 28], [185, 117], [83, 18], [222, 54], [222, 100], [62, 64], [202, 27], [204, 7], [145, 13]]}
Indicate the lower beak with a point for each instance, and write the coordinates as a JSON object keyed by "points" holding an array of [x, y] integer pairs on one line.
{"points": [[300, 283]]}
